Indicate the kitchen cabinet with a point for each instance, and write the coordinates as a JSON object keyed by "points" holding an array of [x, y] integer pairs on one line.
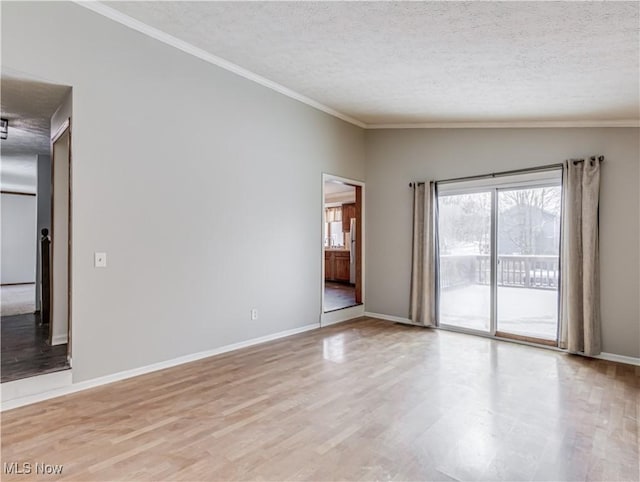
{"points": [[348, 212], [342, 265], [337, 265], [328, 265]]}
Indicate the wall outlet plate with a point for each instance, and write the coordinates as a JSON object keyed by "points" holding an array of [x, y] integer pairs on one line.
{"points": [[100, 260], [254, 314]]}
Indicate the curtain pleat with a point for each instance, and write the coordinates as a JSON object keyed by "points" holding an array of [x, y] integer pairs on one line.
{"points": [[333, 214], [423, 262], [580, 330]]}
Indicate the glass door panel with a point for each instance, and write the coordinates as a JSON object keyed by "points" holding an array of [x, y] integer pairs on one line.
{"points": [[464, 243], [528, 241]]}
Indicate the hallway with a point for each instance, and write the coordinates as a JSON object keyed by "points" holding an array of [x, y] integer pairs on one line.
{"points": [[17, 299], [25, 350]]}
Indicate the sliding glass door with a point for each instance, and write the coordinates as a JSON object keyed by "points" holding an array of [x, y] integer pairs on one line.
{"points": [[528, 225], [498, 249], [465, 241]]}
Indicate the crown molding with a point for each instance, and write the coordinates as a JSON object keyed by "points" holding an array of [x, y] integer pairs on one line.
{"points": [[188, 48], [126, 20], [512, 124]]}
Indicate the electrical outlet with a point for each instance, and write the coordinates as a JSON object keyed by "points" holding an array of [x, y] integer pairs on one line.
{"points": [[100, 260], [254, 314]]}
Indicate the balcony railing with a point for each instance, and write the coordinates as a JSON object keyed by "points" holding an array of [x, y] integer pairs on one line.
{"points": [[526, 271]]}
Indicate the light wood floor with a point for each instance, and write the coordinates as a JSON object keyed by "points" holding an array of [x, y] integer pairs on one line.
{"points": [[365, 400]]}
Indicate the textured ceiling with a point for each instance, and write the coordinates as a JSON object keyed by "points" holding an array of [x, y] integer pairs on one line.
{"points": [[426, 62], [28, 104], [338, 192], [333, 187]]}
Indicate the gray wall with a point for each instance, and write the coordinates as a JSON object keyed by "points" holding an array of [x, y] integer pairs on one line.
{"points": [[44, 212], [395, 157], [174, 167], [18, 241]]}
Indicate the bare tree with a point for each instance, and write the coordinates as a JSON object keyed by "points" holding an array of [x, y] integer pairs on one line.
{"points": [[524, 213], [465, 220]]}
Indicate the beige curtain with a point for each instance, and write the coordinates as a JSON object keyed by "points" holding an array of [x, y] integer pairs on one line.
{"points": [[333, 214], [580, 275], [423, 260]]}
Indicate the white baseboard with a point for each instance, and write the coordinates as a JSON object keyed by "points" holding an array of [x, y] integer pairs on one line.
{"points": [[340, 316], [47, 392], [629, 360], [44, 387], [59, 340], [603, 356], [27, 387]]}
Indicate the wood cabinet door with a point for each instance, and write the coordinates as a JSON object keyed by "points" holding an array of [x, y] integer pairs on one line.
{"points": [[342, 265], [348, 212], [329, 262]]}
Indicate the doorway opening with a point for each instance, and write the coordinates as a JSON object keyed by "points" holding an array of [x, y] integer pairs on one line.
{"points": [[342, 243], [499, 256], [35, 183]]}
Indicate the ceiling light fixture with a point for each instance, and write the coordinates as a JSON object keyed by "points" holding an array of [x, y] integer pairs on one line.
{"points": [[4, 128]]}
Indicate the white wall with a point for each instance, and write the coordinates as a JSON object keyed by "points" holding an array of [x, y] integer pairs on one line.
{"points": [[396, 157], [161, 141], [18, 225], [62, 114], [19, 173]]}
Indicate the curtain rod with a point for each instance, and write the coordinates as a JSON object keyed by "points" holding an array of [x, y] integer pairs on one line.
{"points": [[547, 167]]}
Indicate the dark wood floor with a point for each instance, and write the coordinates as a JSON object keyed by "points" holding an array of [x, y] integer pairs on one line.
{"points": [[365, 400], [338, 296], [25, 351]]}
